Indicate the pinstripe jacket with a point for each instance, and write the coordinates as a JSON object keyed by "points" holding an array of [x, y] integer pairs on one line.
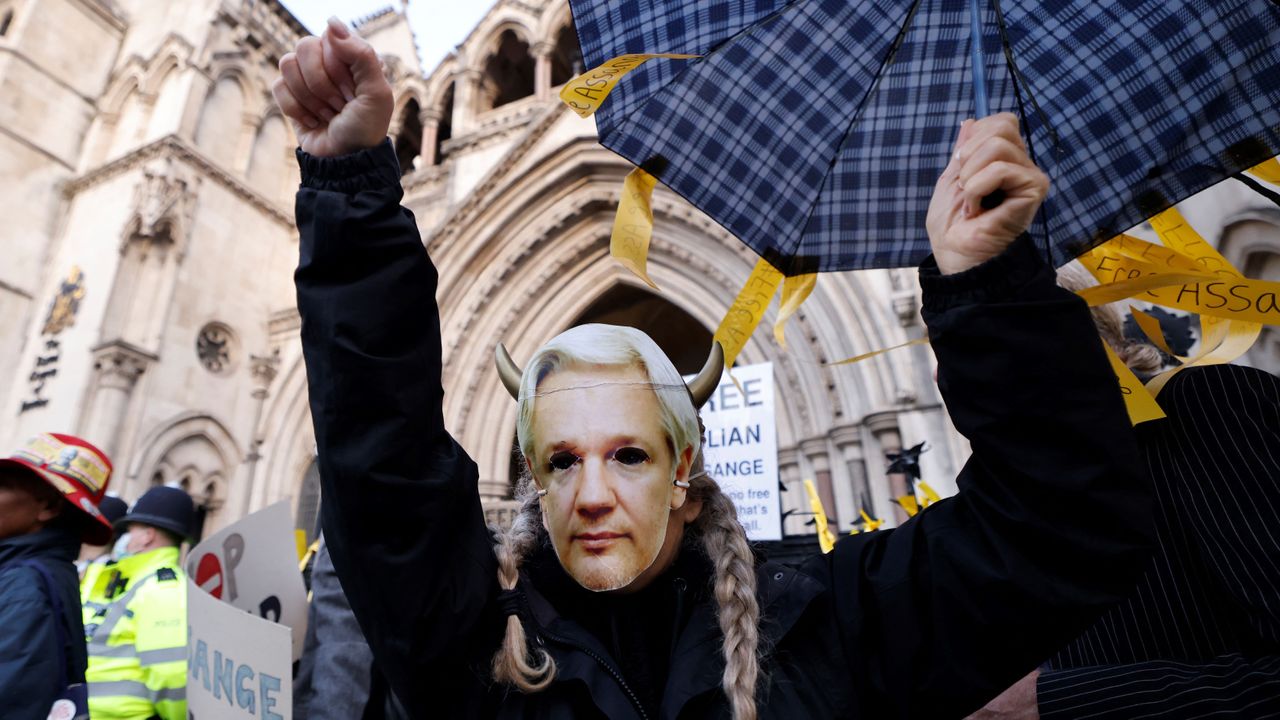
{"points": [[1200, 635]]}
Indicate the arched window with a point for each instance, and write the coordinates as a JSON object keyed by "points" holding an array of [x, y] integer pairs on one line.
{"points": [[130, 126], [218, 133], [444, 130], [5, 21], [267, 163], [308, 511], [508, 73], [167, 114], [566, 59], [409, 139], [157, 480]]}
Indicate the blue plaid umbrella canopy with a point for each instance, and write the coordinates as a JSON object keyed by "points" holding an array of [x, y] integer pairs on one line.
{"points": [[814, 130]]}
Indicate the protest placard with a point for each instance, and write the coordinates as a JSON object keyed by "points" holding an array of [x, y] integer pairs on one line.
{"points": [[246, 619], [740, 447]]}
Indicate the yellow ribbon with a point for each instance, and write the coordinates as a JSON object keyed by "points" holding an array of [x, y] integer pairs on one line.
{"points": [[586, 93], [826, 538], [633, 225], [1140, 403], [873, 353], [909, 504], [930, 495], [1151, 328], [795, 290], [1226, 333], [869, 524], [1116, 291], [1268, 170], [747, 310]]}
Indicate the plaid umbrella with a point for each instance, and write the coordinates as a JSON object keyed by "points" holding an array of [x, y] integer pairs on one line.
{"points": [[814, 130]]}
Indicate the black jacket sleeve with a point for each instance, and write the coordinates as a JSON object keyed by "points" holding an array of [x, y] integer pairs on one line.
{"points": [[1050, 527], [401, 510]]}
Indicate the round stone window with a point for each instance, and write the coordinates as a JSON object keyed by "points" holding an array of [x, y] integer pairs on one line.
{"points": [[216, 348]]}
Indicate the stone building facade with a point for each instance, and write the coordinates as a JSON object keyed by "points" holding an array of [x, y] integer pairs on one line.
{"points": [[146, 297]]}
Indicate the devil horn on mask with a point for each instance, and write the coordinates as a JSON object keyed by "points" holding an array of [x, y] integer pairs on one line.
{"points": [[700, 388], [507, 370], [702, 385]]}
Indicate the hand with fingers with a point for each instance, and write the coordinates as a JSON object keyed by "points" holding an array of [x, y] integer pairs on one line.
{"points": [[989, 156], [334, 92]]}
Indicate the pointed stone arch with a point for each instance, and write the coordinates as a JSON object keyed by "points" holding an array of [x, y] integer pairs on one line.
{"points": [[194, 451], [528, 251], [221, 126], [508, 70], [289, 450]]}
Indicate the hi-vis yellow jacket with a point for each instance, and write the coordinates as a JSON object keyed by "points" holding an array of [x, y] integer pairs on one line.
{"points": [[138, 643], [99, 584]]}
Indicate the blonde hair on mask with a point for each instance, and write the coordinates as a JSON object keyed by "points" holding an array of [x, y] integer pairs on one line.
{"points": [[611, 346]]}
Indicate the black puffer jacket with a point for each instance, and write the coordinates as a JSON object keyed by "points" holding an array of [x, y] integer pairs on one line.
{"points": [[30, 676], [929, 620]]}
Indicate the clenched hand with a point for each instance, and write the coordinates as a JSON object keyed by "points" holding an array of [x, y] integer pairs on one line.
{"points": [[333, 90]]}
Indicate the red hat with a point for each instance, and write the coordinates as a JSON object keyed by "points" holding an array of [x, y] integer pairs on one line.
{"points": [[77, 469]]}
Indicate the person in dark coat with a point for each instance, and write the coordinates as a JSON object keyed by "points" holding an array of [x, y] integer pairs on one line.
{"points": [[1199, 636], [49, 494], [929, 620]]}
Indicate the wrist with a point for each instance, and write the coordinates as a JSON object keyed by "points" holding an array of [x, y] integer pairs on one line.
{"points": [[364, 169], [951, 262]]}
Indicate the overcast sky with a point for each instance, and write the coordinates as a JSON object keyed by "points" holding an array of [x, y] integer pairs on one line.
{"points": [[438, 25]]}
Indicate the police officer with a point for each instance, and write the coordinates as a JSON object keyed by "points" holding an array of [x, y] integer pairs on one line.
{"points": [[138, 642], [97, 571]]}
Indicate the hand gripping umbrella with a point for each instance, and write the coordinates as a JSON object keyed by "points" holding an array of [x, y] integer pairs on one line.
{"points": [[814, 130]]}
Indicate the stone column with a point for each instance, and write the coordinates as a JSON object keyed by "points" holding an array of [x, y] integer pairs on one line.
{"points": [[116, 369], [430, 127], [542, 69], [466, 88], [816, 450], [851, 496], [793, 498], [264, 369], [884, 428]]}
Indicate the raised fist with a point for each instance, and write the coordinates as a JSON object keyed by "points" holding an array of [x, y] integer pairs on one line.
{"points": [[333, 91]]}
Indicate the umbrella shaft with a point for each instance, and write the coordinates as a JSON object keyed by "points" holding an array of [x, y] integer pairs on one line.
{"points": [[981, 106]]}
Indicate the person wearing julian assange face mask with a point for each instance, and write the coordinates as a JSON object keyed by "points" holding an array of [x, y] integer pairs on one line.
{"points": [[625, 587]]}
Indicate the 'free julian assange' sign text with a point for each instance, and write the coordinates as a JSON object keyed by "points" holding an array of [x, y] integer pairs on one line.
{"points": [[740, 447]]}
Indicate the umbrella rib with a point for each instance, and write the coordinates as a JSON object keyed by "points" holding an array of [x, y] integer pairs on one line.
{"points": [[875, 85], [1020, 82]]}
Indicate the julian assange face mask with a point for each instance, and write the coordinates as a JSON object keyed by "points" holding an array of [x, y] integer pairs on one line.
{"points": [[608, 470], [608, 428]]}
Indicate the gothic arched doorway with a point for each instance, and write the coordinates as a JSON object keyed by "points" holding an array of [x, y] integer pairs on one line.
{"points": [[681, 337]]}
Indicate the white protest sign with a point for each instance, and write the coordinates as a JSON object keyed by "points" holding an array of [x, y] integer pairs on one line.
{"points": [[245, 598], [253, 565], [238, 665], [740, 448]]}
